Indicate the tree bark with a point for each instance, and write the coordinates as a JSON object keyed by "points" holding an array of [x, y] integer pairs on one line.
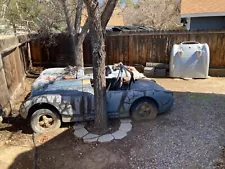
{"points": [[98, 57]]}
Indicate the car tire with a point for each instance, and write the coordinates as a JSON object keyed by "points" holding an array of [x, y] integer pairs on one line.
{"points": [[144, 109], [45, 120]]}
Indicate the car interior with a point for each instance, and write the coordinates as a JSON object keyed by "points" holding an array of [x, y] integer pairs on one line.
{"points": [[115, 83]]}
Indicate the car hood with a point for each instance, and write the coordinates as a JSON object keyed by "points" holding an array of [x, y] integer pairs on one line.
{"points": [[51, 75], [146, 83]]}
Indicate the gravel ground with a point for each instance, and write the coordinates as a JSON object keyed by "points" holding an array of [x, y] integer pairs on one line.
{"points": [[191, 135]]}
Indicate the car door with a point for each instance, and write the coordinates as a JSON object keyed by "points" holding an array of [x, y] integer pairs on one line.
{"points": [[116, 105], [79, 100]]}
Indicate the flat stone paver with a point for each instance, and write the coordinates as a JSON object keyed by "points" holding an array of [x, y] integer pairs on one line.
{"points": [[80, 132], [78, 126], [90, 138], [125, 120], [105, 138], [90, 135], [125, 127], [119, 134]]}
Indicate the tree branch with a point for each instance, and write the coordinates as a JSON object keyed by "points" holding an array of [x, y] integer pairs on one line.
{"points": [[77, 23], [84, 31], [66, 12], [108, 11]]}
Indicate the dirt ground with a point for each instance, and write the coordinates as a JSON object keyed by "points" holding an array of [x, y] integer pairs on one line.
{"points": [[191, 135]]}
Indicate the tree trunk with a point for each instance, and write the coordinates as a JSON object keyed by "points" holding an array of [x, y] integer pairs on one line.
{"points": [[78, 48], [78, 53], [79, 40], [73, 49], [98, 57], [69, 31]]}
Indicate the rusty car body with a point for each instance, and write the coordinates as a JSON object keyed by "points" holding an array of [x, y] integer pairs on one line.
{"points": [[72, 98]]}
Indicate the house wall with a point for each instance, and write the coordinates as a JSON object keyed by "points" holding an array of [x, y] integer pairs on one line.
{"points": [[216, 22]]}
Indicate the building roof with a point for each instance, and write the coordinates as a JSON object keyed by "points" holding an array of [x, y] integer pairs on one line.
{"points": [[116, 19], [202, 8]]}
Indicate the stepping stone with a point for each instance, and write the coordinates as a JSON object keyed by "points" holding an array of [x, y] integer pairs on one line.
{"points": [[89, 138], [125, 127], [80, 132], [125, 120], [119, 134], [78, 126], [105, 138]]}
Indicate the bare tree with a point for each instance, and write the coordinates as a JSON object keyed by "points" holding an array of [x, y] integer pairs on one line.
{"points": [[48, 17], [161, 15], [79, 36], [76, 34], [97, 24]]}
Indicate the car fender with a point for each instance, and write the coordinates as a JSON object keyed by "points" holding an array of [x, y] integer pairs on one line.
{"points": [[160, 97], [62, 105]]}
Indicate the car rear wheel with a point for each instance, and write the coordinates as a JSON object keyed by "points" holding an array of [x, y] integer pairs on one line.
{"points": [[144, 109], [45, 120]]}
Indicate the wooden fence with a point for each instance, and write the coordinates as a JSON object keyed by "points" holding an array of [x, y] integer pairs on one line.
{"points": [[130, 48], [12, 72]]}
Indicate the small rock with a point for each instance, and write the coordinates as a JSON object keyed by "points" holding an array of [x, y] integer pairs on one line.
{"points": [[119, 135], [80, 132], [125, 127], [105, 138], [125, 120]]}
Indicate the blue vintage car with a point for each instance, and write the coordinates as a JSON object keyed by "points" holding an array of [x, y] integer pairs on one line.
{"points": [[59, 95]]}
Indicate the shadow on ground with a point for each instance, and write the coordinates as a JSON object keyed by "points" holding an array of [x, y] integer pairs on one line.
{"points": [[16, 124], [191, 135]]}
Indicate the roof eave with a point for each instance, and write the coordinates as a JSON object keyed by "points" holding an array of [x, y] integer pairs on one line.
{"points": [[195, 15]]}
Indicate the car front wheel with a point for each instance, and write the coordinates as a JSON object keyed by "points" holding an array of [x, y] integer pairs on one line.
{"points": [[144, 109], [45, 120]]}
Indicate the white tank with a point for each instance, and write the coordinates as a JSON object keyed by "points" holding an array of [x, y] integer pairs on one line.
{"points": [[190, 60]]}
